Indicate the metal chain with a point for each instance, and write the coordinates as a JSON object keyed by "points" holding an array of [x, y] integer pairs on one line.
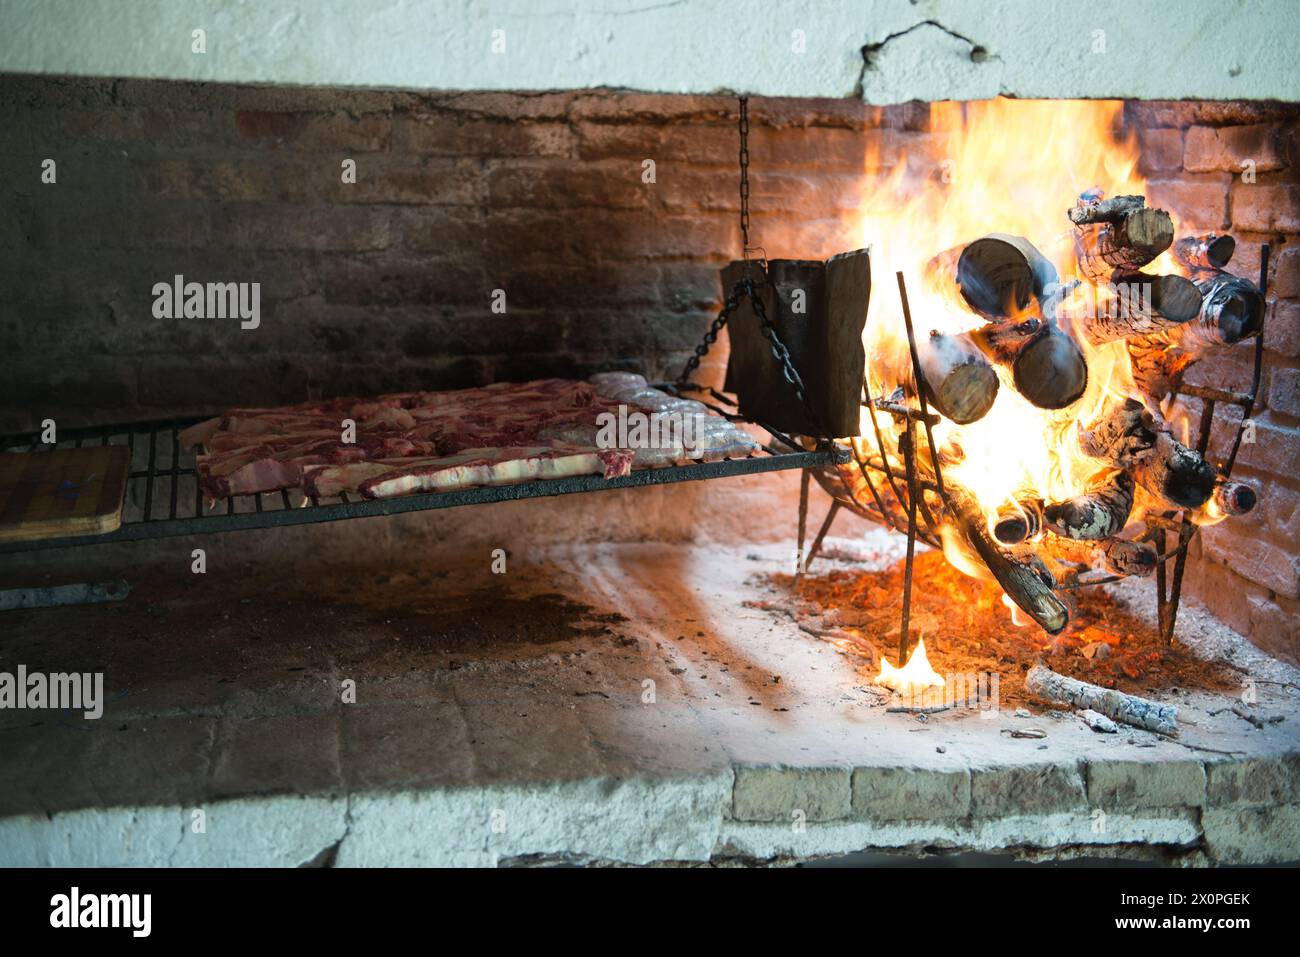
{"points": [[744, 181], [779, 351], [710, 337], [746, 288]]}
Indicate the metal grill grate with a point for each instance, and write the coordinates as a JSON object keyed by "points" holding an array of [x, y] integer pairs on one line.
{"points": [[163, 497]]}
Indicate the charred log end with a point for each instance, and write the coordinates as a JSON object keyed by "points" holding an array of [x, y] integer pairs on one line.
{"points": [[1177, 476], [1219, 250], [1189, 483], [1232, 310], [995, 278], [1175, 298], [1138, 559], [1023, 584], [1244, 499], [959, 381], [1241, 315], [1210, 251], [1062, 517], [1011, 529], [1149, 229], [1050, 370], [967, 394], [1235, 498]]}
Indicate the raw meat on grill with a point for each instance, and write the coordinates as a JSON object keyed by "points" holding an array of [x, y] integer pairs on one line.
{"points": [[437, 441], [490, 467], [718, 438]]}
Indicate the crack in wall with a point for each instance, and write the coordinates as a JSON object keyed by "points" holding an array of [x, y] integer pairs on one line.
{"points": [[329, 854], [978, 52]]}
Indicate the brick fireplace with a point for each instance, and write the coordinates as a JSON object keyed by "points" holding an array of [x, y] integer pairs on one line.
{"points": [[386, 284], [441, 195]]}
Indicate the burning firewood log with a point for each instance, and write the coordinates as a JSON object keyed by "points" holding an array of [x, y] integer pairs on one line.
{"points": [[1143, 305], [1164, 322], [1019, 520], [1120, 556], [1125, 433], [1157, 365], [1210, 251], [1125, 708], [1099, 513], [1176, 476], [1026, 581], [1000, 275], [1118, 234], [1093, 207], [1023, 583], [960, 383], [1232, 309], [1234, 498], [1046, 365]]}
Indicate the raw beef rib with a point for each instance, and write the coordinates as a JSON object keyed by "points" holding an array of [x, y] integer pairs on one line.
{"points": [[436, 441]]}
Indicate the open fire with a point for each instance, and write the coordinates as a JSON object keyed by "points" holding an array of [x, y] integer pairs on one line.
{"points": [[1053, 316]]}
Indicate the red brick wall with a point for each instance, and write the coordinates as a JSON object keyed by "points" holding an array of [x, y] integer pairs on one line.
{"points": [[1247, 570], [386, 284]]}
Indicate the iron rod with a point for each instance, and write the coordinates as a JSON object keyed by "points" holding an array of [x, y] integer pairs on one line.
{"points": [[905, 440], [175, 470], [866, 477], [821, 534], [1249, 407], [1216, 395], [805, 477], [919, 378], [1162, 599], [880, 444], [148, 489], [1186, 529]]}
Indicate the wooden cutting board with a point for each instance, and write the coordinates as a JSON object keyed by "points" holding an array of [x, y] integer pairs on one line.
{"points": [[62, 492]]}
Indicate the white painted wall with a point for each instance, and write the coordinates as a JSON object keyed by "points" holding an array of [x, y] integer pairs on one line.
{"points": [[1158, 49]]}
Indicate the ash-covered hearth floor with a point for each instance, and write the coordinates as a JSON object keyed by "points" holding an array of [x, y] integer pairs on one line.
{"points": [[593, 703]]}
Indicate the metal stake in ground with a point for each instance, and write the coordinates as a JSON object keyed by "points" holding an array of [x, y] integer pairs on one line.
{"points": [[909, 461], [1167, 604], [804, 479], [821, 533]]}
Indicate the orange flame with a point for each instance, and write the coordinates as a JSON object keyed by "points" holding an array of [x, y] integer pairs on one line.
{"points": [[1018, 617], [1004, 166], [914, 677]]}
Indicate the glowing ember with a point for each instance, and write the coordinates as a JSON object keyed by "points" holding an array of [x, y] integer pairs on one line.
{"points": [[914, 677]]}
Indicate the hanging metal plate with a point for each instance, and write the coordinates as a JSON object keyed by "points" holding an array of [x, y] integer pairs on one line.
{"points": [[818, 310]]}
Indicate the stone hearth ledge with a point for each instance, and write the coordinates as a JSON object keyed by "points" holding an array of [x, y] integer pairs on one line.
{"points": [[511, 751]]}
